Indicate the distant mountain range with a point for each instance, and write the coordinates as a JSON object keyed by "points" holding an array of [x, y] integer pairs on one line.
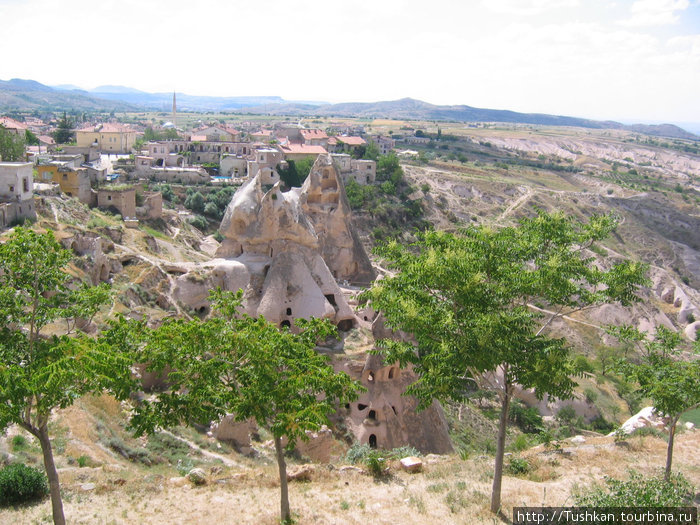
{"points": [[24, 95], [412, 109], [18, 94]]}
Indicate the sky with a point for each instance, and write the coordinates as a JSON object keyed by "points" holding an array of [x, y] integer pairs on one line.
{"points": [[625, 60]]}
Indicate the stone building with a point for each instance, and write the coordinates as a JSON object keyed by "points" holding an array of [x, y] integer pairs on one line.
{"points": [[360, 170], [16, 192], [73, 181], [108, 138], [121, 198]]}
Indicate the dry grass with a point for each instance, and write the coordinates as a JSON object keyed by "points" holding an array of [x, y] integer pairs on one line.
{"points": [[448, 491]]}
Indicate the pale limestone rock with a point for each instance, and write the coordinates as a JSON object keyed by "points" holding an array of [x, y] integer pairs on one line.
{"points": [[300, 473], [646, 417], [691, 331], [689, 425], [179, 481], [277, 247], [318, 446], [324, 201], [197, 476], [578, 440], [237, 433], [411, 464], [384, 418], [667, 294]]}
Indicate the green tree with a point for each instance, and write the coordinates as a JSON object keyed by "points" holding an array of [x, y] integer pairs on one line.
{"points": [[388, 168], [289, 174], [11, 146], [43, 364], [245, 366], [371, 151], [64, 130], [30, 138], [195, 202], [467, 299], [304, 168], [672, 384]]}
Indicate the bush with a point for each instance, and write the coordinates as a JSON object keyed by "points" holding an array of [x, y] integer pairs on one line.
{"points": [[581, 364], [376, 463], [199, 222], [638, 491], [518, 466], [527, 418], [19, 442], [20, 483], [357, 453]]}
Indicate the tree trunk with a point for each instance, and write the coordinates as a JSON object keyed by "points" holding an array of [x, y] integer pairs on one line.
{"points": [[285, 515], [50, 467], [669, 450], [500, 450]]}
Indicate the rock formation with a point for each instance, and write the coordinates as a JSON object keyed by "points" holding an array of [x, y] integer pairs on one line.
{"points": [[286, 250], [384, 418]]}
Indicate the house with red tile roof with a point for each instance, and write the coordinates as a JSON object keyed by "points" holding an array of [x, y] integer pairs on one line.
{"points": [[314, 137], [345, 143], [11, 124], [292, 151]]}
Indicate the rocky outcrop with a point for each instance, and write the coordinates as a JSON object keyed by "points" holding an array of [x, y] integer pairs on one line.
{"points": [[382, 417], [286, 250]]}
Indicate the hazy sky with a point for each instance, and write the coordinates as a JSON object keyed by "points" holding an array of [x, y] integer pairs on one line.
{"points": [[626, 60]]}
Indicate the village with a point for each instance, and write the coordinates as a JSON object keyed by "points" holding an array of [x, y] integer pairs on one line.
{"points": [[108, 164]]}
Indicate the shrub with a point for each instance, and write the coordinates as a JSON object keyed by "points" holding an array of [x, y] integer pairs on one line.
{"points": [[403, 452], [199, 222], [20, 483], [581, 364], [591, 395], [521, 442], [518, 466], [19, 442], [527, 418], [376, 463], [357, 453], [638, 491]]}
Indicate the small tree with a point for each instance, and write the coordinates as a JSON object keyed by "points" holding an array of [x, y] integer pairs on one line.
{"points": [[45, 365], [245, 366], [672, 384], [469, 301], [64, 130], [11, 146]]}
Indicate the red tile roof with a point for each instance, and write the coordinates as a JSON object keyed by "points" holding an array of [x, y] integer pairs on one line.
{"points": [[10, 123], [351, 141], [313, 134], [303, 149]]}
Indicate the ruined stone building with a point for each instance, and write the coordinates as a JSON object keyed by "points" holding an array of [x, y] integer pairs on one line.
{"points": [[16, 192]]}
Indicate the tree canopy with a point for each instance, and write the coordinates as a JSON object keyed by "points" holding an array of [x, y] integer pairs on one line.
{"points": [[469, 300], [236, 364], [64, 130], [11, 146], [45, 361], [672, 383]]}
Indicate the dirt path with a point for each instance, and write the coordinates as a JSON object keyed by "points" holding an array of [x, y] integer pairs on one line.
{"points": [[212, 455]]}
